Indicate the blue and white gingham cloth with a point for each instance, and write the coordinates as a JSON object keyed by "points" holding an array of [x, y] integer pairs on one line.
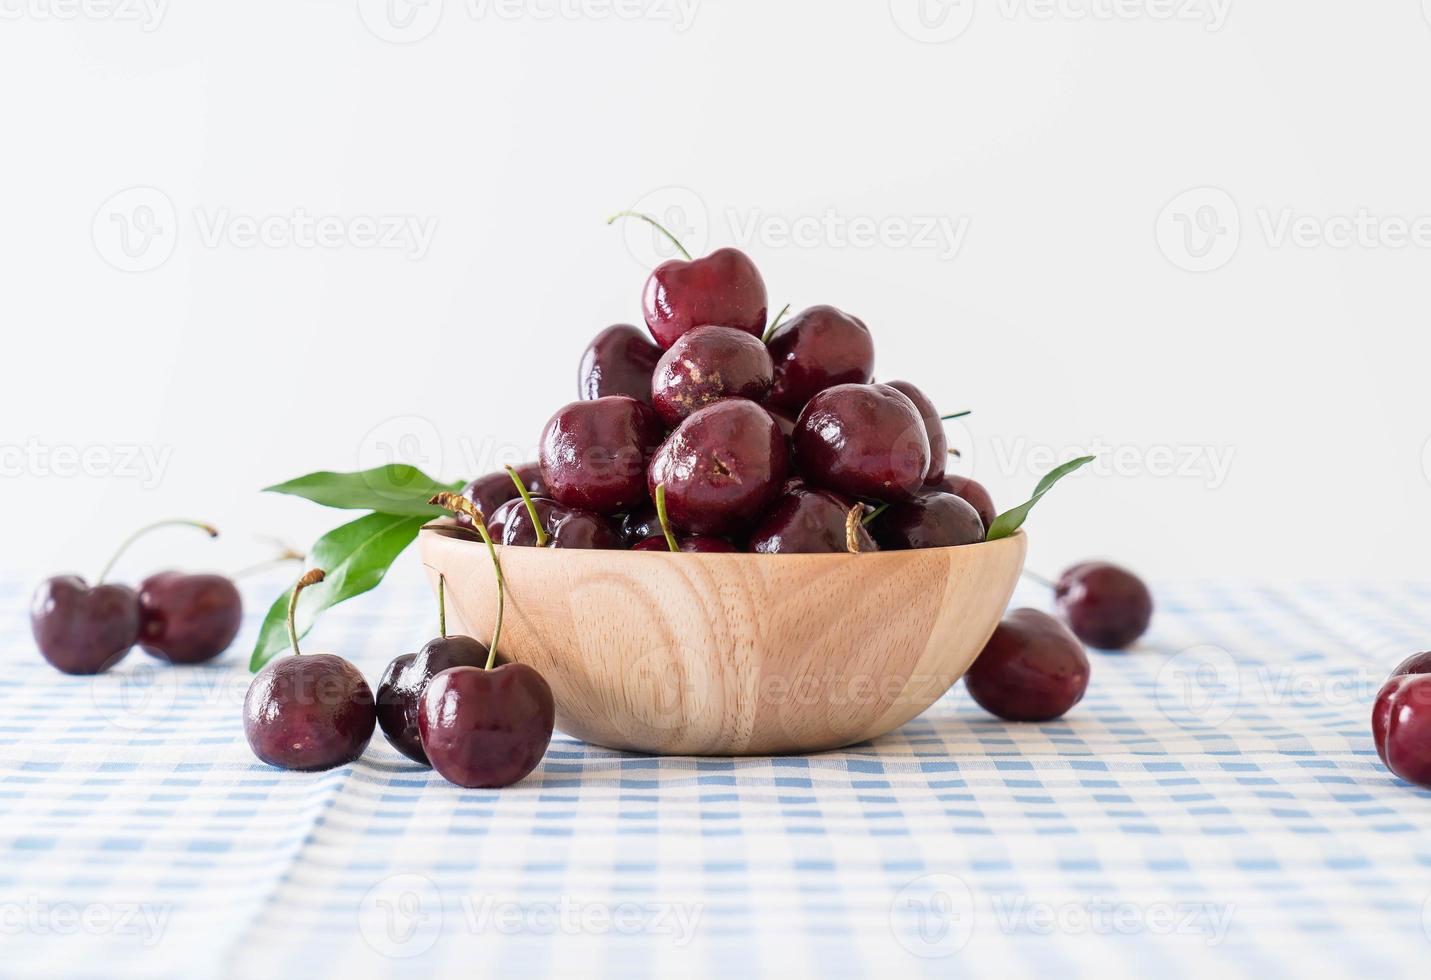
{"points": [[1214, 806]]}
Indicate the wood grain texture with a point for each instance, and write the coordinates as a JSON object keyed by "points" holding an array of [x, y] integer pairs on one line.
{"points": [[733, 654]]}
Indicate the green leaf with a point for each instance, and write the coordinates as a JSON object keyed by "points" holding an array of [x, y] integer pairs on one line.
{"points": [[1011, 520], [355, 557], [393, 489]]}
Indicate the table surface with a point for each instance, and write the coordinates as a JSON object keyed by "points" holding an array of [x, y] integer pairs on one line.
{"points": [[1215, 803]]}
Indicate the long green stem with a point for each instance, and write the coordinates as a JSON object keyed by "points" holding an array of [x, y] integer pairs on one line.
{"points": [[442, 605], [311, 577], [208, 529], [461, 505], [661, 516], [1036, 577], [531, 507], [770, 332], [956, 415], [876, 512], [654, 224]]}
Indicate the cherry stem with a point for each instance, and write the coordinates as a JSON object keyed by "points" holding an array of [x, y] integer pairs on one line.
{"points": [[852, 528], [955, 453], [461, 505], [876, 512], [770, 332], [442, 605], [956, 415], [311, 577], [661, 516], [1036, 577], [531, 507], [654, 224], [286, 554], [208, 529]]}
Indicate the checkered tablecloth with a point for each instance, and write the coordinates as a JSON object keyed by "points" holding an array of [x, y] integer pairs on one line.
{"points": [[1214, 805]]}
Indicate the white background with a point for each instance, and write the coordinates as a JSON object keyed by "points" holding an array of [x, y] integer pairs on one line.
{"points": [[1062, 138]]}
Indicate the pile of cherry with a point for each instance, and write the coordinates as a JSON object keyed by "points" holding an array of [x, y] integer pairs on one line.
{"points": [[719, 436]]}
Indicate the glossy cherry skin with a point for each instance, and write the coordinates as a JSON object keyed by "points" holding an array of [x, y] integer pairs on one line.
{"points": [[495, 489], [401, 688], [866, 441], [1106, 606], [723, 289], [690, 543], [486, 728], [309, 712], [705, 365], [1401, 721], [818, 349], [1032, 669], [593, 454], [933, 428], [930, 520], [567, 528], [618, 362], [722, 467], [807, 522], [639, 525], [83, 630], [188, 619], [972, 491]]}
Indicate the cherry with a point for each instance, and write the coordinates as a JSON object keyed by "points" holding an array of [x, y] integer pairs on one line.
{"points": [[867, 441], [668, 540], [933, 428], [723, 289], [808, 522], [1032, 669], [973, 491], [618, 362], [563, 527], [188, 619], [1401, 721], [1106, 606], [639, 525], [495, 489], [308, 711], [486, 726], [593, 454], [403, 683], [706, 365], [818, 349], [87, 630], [930, 520], [721, 467]]}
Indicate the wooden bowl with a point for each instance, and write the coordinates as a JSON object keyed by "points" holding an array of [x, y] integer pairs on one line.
{"points": [[734, 654]]}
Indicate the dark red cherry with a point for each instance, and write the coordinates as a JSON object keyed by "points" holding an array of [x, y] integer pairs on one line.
{"points": [[308, 711], [972, 491], [638, 526], [933, 428], [188, 619], [866, 441], [818, 349], [403, 683], [1032, 669], [708, 364], [1401, 721], [495, 489], [807, 522], [723, 289], [722, 467], [786, 423], [691, 543], [566, 527], [593, 454], [486, 728], [1106, 606], [618, 362], [83, 630], [930, 520]]}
